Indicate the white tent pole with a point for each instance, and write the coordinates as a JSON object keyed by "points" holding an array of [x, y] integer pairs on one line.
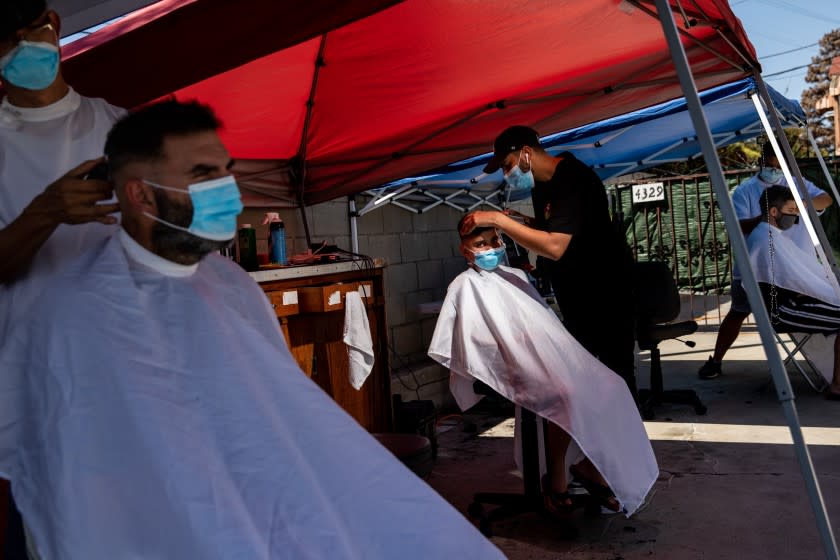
{"points": [[354, 226], [739, 246], [828, 176], [810, 218]]}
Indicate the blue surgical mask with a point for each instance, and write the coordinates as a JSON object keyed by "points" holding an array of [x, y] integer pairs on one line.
{"points": [[519, 180], [771, 175], [490, 259], [216, 204], [30, 65]]}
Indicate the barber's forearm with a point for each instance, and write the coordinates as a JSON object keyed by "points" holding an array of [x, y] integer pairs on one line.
{"points": [[540, 242], [822, 201], [21, 240]]}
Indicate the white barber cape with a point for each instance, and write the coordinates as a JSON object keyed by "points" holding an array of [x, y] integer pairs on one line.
{"points": [[495, 327], [791, 268], [150, 410]]}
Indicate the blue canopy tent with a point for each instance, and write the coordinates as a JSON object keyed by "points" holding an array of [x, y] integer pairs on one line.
{"points": [[613, 147]]}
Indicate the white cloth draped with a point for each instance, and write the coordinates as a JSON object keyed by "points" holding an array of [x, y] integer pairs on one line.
{"points": [[495, 327], [791, 268], [358, 340], [145, 415]]}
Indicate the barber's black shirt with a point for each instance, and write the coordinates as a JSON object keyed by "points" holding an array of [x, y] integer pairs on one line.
{"points": [[596, 270]]}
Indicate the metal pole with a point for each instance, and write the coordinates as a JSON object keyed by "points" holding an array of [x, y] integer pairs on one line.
{"points": [[354, 227], [828, 176], [812, 223], [780, 378]]}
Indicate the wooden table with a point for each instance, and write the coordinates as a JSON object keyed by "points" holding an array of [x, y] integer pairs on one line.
{"points": [[309, 303]]}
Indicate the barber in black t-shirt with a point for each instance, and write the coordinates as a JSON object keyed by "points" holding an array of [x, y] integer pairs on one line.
{"points": [[590, 264]]}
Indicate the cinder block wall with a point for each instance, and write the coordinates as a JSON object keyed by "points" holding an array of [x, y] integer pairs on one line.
{"points": [[421, 251]]}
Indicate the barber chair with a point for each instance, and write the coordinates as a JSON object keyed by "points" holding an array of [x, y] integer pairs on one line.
{"points": [[658, 303], [798, 340], [530, 500]]}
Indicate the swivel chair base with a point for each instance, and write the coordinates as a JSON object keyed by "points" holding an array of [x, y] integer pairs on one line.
{"points": [[531, 500]]}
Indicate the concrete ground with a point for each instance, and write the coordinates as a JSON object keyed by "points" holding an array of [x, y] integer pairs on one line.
{"points": [[729, 485]]}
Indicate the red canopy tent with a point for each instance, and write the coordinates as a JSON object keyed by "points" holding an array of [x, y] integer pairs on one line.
{"points": [[315, 109]]}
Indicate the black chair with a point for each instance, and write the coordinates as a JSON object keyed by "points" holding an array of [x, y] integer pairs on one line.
{"points": [[530, 500], [658, 303]]}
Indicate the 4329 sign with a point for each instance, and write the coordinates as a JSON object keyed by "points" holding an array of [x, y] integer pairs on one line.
{"points": [[648, 192]]}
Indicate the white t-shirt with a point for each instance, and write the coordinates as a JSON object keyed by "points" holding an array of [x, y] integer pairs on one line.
{"points": [[746, 199], [37, 146]]}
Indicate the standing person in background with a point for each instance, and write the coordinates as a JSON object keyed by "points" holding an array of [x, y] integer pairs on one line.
{"points": [[50, 138], [590, 264], [746, 198]]}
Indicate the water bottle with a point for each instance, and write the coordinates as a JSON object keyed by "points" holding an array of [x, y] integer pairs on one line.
{"points": [[276, 238], [248, 248]]}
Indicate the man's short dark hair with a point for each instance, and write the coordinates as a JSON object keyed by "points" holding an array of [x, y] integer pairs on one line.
{"points": [[17, 14], [774, 196], [474, 232], [139, 136]]}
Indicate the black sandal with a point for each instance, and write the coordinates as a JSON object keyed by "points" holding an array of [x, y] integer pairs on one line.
{"points": [[603, 494]]}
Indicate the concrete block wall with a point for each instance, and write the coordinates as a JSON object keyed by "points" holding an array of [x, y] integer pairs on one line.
{"points": [[422, 254]]}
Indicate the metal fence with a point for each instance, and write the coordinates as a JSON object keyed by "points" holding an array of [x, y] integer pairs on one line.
{"points": [[686, 229]]}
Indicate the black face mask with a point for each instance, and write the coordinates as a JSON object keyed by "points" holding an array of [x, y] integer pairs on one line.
{"points": [[787, 221]]}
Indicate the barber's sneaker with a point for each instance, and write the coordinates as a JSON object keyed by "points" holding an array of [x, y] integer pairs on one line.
{"points": [[709, 370]]}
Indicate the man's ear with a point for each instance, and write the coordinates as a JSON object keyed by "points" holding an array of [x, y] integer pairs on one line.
{"points": [[139, 196], [55, 20]]}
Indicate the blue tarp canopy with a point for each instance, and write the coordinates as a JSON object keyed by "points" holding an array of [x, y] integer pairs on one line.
{"points": [[628, 143]]}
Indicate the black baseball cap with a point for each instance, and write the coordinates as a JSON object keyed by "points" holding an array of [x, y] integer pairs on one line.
{"points": [[511, 139], [16, 14]]}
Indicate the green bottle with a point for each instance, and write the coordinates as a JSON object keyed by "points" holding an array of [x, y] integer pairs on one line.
{"points": [[248, 248]]}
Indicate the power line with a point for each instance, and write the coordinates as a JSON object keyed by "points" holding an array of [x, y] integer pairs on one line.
{"points": [[799, 10], [790, 51], [826, 59]]}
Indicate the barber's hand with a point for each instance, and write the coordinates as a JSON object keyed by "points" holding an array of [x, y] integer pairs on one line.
{"points": [[73, 200], [481, 218]]}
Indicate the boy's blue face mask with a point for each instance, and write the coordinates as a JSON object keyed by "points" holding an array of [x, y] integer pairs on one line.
{"points": [[30, 65], [490, 259], [216, 204]]}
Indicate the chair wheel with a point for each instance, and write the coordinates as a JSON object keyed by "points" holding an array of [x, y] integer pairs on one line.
{"points": [[475, 510], [700, 409]]}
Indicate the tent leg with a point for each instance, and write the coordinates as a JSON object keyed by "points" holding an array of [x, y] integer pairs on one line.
{"points": [[824, 167], [354, 226], [780, 378]]}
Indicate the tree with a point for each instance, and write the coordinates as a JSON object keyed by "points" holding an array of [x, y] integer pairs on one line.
{"points": [[821, 125]]}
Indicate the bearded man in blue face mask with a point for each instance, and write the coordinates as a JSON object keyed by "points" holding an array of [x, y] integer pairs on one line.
{"points": [[589, 262], [745, 198], [151, 407]]}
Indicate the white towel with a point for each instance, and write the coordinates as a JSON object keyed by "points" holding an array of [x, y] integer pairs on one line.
{"points": [[358, 340]]}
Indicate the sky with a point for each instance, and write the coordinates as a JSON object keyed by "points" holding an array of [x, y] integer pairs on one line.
{"points": [[776, 26]]}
